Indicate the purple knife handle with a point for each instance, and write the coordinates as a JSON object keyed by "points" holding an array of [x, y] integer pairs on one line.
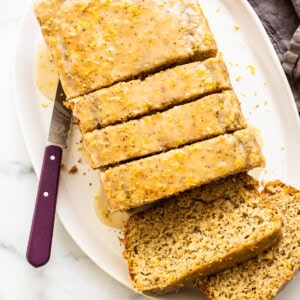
{"points": [[40, 239]]}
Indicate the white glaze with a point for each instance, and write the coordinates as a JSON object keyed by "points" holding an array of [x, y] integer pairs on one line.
{"points": [[46, 76]]}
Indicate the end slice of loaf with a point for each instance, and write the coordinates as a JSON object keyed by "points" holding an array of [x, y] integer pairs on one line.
{"points": [[96, 43], [182, 238], [147, 180], [210, 116], [262, 278], [127, 100]]}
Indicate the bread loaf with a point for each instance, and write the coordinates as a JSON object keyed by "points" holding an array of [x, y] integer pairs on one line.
{"points": [[97, 43], [129, 100], [147, 180], [261, 278], [210, 116], [183, 238]]}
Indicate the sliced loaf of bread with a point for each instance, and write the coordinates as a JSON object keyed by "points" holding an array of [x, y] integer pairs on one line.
{"points": [[262, 278], [129, 100], [183, 238], [207, 117], [97, 43], [149, 179]]}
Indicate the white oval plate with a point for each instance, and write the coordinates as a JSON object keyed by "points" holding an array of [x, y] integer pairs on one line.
{"points": [[266, 100]]}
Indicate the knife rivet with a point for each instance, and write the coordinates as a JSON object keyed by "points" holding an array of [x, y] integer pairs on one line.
{"points": [[52, 157], [45, 194]]}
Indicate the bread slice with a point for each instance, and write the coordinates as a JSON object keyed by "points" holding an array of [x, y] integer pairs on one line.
{"points": [[181, 238], [207, 117], [128, 100], [95, 43], [149, 179], [262, 278]]}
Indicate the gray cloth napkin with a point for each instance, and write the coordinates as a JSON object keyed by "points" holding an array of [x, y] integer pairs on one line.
{"points": [[281, 19]]}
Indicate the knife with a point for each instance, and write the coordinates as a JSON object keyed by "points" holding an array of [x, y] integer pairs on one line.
{"points": [[41, 232]]}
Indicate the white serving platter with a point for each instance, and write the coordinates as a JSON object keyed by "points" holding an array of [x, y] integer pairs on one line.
{"points": [[259, 82]]}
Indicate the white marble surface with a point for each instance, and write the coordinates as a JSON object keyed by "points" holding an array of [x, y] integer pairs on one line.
{"points": [[70, 274]]}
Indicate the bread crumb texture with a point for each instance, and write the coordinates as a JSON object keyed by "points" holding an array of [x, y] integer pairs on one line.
{"points": [[262, 278], [184, 237]]}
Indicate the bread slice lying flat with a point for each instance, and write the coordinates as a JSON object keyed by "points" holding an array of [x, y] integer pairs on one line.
{"points": [[95, 43], [210, 116], [183, 238], [262, 278], [149, 179]]}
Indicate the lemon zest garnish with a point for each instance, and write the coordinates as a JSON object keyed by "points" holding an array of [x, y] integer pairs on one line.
{"points": [[44, 105], [252, 69]]}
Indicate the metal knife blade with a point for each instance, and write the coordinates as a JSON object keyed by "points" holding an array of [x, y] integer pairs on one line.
{"points": [[60, 121], [41, 232]]}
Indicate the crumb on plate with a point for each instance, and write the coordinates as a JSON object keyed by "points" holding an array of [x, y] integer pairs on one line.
{"points": [[73, 169]]}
